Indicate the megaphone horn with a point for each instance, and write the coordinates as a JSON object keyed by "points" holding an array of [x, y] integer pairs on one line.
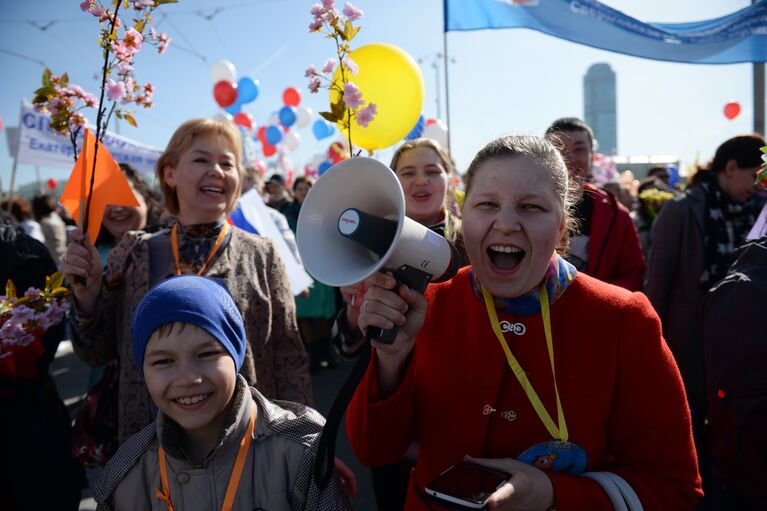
{"points": [[352, 224]]}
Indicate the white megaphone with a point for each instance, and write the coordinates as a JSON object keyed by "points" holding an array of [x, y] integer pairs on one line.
{"points": [[353, 224]]}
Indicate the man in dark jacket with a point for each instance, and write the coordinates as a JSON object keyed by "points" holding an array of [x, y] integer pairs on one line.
{"points": [[735, 346], [607, 245]]}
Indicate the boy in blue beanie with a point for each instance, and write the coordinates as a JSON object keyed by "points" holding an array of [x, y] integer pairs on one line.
{"points": [[216, 443]]}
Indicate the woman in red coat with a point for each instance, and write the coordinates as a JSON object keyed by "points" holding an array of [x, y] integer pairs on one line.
{"points": [[523, 364]]}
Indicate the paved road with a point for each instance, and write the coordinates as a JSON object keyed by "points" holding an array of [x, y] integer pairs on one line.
{"points": [[71, 377]]}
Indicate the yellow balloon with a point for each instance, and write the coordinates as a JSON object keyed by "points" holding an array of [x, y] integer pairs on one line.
{"points": [[391, 79]]}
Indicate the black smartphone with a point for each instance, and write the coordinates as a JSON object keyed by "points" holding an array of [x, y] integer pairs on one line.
{"points": [[466, 485]]}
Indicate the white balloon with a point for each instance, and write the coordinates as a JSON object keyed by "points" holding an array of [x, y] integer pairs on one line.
{"points": [[437, 132], [223, 70], [291, 140], [223, 116], [304, 116]]}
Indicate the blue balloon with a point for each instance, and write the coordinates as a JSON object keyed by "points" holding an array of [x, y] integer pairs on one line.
{"points": [[323, 129], [273, 135], [287, 116], [324, 166], [234, 108], [247, 90], [417, 130]]}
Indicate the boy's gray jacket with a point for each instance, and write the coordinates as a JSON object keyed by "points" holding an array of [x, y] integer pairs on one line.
{"points": [[277, 475]]}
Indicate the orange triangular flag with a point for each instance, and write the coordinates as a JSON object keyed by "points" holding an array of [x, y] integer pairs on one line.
{"points": [[109, 188]]}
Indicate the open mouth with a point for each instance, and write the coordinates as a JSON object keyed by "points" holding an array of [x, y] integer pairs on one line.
{"points": [[505, 257], [212, 190], [192, 400], [421, 196]]}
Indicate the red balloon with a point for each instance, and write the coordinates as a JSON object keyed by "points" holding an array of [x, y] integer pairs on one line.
{"points": [[269, 149], [731, 110], [291, 96], [244, 120], [336, 152], [262, 135], [225, 93], [51, 184], [431, 120]]}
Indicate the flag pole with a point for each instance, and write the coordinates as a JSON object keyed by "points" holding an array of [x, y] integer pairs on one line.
{"points": [[447, 80], [15, 159], [759, 93], [83, 174]]}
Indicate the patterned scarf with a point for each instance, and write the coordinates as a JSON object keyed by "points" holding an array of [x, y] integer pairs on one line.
{"points": [[195, 242], [725, 226], [559, 275]]}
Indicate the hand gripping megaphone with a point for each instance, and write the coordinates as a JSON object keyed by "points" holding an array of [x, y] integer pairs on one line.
{"points": [[353, 224]]}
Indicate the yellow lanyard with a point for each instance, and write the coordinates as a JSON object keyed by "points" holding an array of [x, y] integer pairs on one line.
{"points": [[560, 432], [211, 254], [234, 478]]}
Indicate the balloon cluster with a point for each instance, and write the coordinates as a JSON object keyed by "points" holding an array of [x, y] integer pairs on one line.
{"points": [[231, 95], [280, 130]]}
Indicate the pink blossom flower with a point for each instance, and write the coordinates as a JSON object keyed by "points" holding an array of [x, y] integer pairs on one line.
{"points": [[115, 90], [85, 5], [366, 115], [315, 25], [97, 11], [352, 13], [77, 120], [328, 4], [149, 88], [317, 10], [76, 90], [352, 96], [32, 291], [89, 100], [22, 314], [53, 105], [314, 85], [310, 71], [130, 84], [164, 43], [133, 39], [152, 33], [328, 66], [124, 68], [351, 66]]}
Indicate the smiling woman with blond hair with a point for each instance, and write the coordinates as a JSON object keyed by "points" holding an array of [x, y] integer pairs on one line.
{"points": [[524, 364], [199, 174]]}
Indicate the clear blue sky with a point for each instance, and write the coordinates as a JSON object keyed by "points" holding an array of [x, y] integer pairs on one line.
{"points": [[501, 81]]}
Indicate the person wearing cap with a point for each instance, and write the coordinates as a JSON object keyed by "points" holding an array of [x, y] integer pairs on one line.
{"points": [[279, 197], [216, 442]]}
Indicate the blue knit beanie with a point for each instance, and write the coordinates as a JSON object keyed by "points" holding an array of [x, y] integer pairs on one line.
{"points": [[189, 299]]}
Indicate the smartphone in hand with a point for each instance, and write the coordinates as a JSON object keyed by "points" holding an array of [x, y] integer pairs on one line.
{"points": [[465, 485]]}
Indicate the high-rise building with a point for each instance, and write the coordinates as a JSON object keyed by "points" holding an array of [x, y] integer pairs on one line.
{"points": [[600, 106]]}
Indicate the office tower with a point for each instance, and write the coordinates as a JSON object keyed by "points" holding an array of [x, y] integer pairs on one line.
{"points": [[600, 106]]}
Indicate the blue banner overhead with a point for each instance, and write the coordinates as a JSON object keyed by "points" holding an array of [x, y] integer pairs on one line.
{"points": [[737, 37]]}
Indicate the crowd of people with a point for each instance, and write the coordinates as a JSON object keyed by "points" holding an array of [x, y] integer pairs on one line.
{"points": [[597, 340]]}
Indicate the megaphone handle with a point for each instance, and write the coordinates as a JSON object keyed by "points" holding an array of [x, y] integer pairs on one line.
{"points": [[413, 278]]}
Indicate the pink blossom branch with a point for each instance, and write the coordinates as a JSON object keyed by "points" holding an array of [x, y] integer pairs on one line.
{"points": [[99, 116]]}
